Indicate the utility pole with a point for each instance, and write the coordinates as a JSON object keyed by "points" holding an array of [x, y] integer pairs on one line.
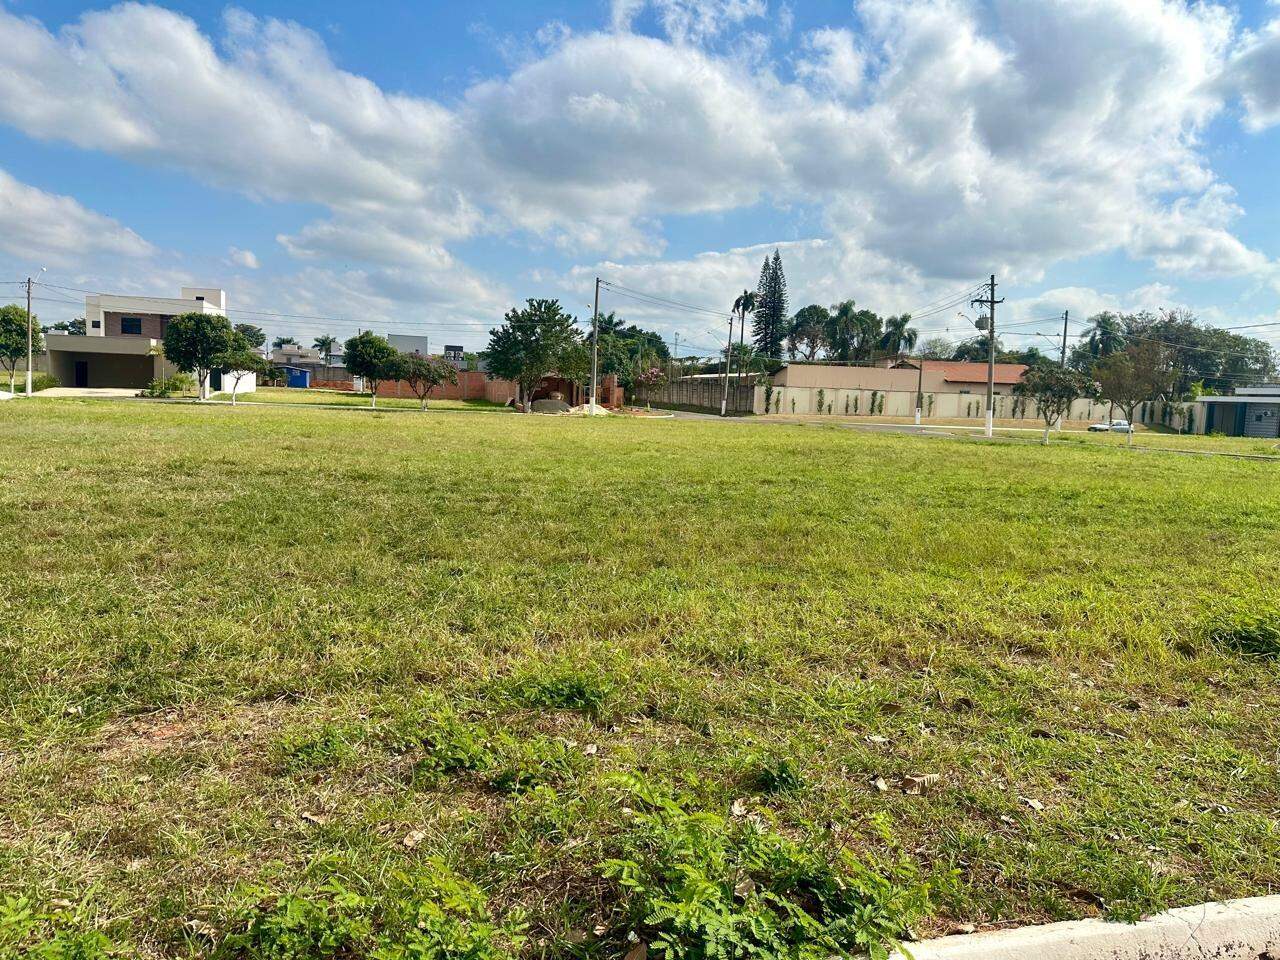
{"points": [[1066, 318], [728, 360], [675, 359], [990, 302], [29, 338], [595, 345]]}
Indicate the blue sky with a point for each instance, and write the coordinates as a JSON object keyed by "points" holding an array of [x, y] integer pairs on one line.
{"points": [[421, 167]]}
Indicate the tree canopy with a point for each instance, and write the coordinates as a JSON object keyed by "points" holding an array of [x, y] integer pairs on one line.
{"points": [[253, 334], [373, 359], [770, 327], [529, 344], [240, 359], [195, 343], [13, 339], [1053, 389], [424, 374]]}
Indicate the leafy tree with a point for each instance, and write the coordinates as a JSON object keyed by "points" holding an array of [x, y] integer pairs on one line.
{"points": [[1105, 335], [1053, 389], [195, 343], [241, 359], [373, 359], [975, 350], [529, 345], [325, 345], [808, 328], [841, 331], [898, 336], [280, 342], [423, 374], [936, 348], [1142, 371], [253, 335], [13, 339], [574, 363], [770, 327], [74, 327]]}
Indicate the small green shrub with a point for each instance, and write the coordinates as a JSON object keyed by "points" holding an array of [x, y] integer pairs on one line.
{"points": [[178, 383], [698, 886], [450, 744], [427, 913], [314, 748], [562, 689], [32, 934], [44, 381], [527, 763], [771, 774]]}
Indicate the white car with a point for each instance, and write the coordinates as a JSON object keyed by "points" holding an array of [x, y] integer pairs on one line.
{"points": [[1113, 426]]}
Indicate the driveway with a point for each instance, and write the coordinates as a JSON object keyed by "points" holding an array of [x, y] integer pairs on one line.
{"points": [[111, 393]]}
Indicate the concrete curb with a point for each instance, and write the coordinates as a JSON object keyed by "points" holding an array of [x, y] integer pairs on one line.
{"points": [[1231, 930]]}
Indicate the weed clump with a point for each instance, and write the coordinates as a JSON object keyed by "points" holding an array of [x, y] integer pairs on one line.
{"points": [[35, 934], [1254, 633], [563, 689], [699, 885], [314, 748]]}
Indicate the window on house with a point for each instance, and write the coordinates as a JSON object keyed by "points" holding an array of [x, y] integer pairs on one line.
{"points": [[131, 325], [97, 324]]}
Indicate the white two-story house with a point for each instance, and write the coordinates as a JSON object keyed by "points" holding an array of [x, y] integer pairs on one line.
{"points": [[122, 348]]}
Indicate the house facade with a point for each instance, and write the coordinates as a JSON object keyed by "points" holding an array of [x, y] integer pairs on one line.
{"points": [[122, 343], [1249, 412]]}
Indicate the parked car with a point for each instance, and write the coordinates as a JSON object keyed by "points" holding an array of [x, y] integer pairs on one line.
{"points": [[1111, 426]]}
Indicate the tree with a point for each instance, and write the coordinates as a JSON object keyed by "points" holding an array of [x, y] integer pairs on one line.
{"points": [[841, 333], [373, 359], [253, 335], [770, 327], [807, 330], [72, 328], [325, 345], [195, 342], [574, 363], [529, 344], [1053, 389], [936, 348], [240, 359], [280, 342], [423, 374], [13, 339], [975, 350], [1142, 371], [1105, 335], [899, 336]]}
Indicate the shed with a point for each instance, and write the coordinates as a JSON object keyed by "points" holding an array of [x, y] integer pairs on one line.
{"points": [[299, 377]]}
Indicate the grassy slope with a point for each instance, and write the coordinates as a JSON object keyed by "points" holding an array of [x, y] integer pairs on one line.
{"points": [[212, 612]]}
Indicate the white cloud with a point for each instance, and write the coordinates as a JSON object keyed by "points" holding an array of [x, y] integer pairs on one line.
{"points": [[54, 229], [243, 258], [1254, 74], [938, 143]]}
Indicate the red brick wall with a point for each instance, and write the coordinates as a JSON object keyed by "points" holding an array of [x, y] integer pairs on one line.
{"points": [[152, 324]]}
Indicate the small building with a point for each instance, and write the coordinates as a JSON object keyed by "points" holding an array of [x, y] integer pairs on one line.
{"points": [[1249, 412], [122, 344], [410, 343], [297, 377]]}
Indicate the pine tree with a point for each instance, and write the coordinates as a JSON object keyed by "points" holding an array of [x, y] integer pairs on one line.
{"points": [[769, 330]]}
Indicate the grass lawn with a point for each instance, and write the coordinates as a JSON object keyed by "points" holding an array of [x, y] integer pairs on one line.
{"points": [[280, 683], [340, 398]]}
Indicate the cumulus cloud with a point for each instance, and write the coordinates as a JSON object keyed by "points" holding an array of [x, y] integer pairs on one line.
{"points": [[243, 258], [57, 229], [1254, 74], [936, 141]]}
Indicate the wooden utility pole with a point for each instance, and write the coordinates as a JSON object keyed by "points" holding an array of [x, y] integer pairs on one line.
{"points": [[990, 302], [728, 360]]}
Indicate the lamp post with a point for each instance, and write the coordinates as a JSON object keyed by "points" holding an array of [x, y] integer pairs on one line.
{"points": [[30, 333]]}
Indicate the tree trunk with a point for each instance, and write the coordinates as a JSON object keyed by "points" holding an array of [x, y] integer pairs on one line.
{"points": [[1047, 425], [373, 394], [234, 385]]}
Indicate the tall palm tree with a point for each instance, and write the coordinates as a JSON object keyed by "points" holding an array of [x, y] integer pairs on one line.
{"points": [[899, 335], [1105, 335], [280, 342], [325, 345], [746, 303]]}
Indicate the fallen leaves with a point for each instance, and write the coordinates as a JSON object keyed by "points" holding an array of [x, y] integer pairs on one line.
{"points": [[915, 784], [413, 838]]}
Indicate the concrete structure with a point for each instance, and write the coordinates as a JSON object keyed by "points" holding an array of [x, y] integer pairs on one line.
{"points": [[1251, 412], [1231, 930], [408, 343], [121, 348]]}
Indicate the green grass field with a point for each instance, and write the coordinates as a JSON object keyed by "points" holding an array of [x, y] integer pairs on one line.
{"points": [[278, 682], [339, 398]]}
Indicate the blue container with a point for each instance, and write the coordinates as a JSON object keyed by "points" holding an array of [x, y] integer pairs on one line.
{"points": [[297, 377]]}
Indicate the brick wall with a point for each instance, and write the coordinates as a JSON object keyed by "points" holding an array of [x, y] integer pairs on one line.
{"points": [[153, 324]]}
